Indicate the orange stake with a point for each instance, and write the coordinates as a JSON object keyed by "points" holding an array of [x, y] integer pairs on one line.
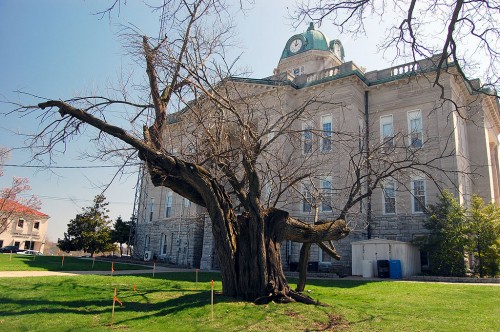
{"points": [[115, 299]]}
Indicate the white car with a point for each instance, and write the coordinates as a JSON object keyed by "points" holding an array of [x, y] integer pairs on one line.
{"points": [[29, 252]]}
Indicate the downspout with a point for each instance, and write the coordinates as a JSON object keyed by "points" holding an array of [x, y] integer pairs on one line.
{"points": [[368, 170]]}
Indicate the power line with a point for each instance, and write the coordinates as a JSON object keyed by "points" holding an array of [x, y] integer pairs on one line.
{"points": [[69, 167], [72, 199]]}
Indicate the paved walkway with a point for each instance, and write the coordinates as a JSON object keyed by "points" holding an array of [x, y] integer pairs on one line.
{"points": [[21, 274]]}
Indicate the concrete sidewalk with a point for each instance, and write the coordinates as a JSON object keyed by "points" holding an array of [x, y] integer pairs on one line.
{"points": [[22, 274]]}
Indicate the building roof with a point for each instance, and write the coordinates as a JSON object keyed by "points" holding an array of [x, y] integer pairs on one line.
{"points": [[15, 207]]}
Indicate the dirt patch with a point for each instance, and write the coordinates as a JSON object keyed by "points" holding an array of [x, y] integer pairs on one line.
{"points": [[334, 323]]}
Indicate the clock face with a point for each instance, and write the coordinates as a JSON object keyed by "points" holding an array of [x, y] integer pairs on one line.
{"points": [[295, 45]]}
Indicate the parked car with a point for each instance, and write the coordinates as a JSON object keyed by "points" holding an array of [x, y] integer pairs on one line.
{"points": [[8, 249], [29, 252]]}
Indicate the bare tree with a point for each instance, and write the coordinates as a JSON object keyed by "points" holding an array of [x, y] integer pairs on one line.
{"points": [[246, 154], [187, 84]]}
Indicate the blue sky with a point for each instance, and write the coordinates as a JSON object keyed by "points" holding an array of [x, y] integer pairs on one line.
{"points": [[58, 49]]}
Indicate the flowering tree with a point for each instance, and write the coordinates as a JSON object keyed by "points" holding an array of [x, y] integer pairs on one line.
{"points": [[11, 198]]}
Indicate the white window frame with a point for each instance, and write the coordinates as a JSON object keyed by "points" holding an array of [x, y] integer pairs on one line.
{"points": [[414, 197], [411, 115], [267, 192], [151, 209], [270, 135], [163, 244], [384, 196], [306, 206], [326, 135], [307, 128], [385, 120], [326, 192], [169, 204]]}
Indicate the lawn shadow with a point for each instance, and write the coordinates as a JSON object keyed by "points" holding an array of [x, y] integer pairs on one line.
{"points": [[172, 306]]}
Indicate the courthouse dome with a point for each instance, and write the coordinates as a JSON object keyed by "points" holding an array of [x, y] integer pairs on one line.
{"points": [[312, 40]]}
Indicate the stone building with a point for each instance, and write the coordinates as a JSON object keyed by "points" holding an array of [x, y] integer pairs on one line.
{"points": [[389, 117]]}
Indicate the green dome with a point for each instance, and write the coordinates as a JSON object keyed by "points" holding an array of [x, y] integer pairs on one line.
{"points": [[310, 40]]}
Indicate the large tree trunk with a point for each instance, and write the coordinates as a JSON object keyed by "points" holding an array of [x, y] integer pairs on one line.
{"points": [[250, 259], [255, 272]]}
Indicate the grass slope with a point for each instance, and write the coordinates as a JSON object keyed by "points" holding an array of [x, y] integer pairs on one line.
{"points": [[53, 263], [174, 302]]}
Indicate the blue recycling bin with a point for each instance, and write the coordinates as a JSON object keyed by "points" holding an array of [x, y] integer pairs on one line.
{"points": [[395, 271]]}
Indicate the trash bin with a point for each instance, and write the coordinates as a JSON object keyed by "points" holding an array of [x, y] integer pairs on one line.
{"points": [[395, 271], [383, 268], [312, 266], [367, 269]]}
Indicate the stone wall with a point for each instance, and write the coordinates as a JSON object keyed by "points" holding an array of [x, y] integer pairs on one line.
{"points": [[176, 241]]}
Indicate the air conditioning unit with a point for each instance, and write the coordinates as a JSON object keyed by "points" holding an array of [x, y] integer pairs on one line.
{"points": [[148, 255]]}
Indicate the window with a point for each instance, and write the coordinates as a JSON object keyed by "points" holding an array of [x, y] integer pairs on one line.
{"points": [[306, 199], [389, 196], [326, 191], [386, 131], [147, 240], [20, 223], [267, 192], [307, 138], [415, 129], [168, 204], [163, 244], [36, 225], [151, 207], [326, 137], [296, 71], [418, 193], [270, 135], [187, 202]]}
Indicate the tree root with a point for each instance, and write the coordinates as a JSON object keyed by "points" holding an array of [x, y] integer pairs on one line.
{"points": [[291, 296]]}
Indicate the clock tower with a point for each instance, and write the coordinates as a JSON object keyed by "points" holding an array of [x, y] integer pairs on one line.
{"points": [[309, 52]]}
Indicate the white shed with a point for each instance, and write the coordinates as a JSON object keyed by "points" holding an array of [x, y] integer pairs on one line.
{"points": [[366, 253]]}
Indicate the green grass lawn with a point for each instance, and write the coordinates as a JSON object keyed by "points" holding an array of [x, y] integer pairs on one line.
{"points": [[53, 263], [174, 302]]}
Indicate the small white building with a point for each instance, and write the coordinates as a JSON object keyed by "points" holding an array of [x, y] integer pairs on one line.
{"points": [[25, 227], [366, 253]]}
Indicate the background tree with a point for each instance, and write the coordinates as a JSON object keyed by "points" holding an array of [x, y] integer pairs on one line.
{"points": [[121, 233], [484, 236], [90, 230], [447, 242], [458, 36], [12, 201]]}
